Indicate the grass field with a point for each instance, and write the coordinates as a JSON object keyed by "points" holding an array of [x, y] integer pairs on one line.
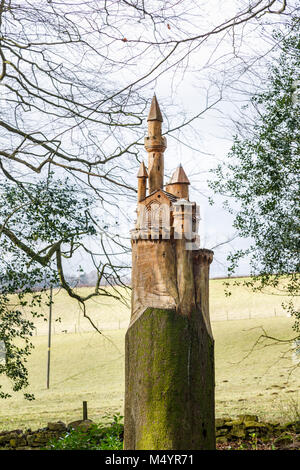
{"points": [[109, 315], [87, 366]]}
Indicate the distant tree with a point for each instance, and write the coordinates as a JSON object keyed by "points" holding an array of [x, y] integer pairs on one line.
{"points": [[261, 173], [38, 221]]}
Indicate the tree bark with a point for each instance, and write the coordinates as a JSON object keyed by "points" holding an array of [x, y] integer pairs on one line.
{"points": [[169, 397]]}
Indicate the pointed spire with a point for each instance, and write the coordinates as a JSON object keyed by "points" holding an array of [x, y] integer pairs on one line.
{"points": [[154, 113], [142, 171], [179, 176]]}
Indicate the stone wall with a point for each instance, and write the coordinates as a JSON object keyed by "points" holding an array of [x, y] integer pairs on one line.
{"points": [[227, 430], [28, 440], [246, 426]]}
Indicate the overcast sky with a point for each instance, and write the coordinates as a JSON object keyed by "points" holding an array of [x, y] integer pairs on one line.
{"points": [[202, 147]]}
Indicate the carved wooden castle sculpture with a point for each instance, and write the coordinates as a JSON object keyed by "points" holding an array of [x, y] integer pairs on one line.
{"points": [[169, 396]]}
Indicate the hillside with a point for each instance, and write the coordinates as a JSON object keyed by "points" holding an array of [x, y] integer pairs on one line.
{"points": [[109, 314], [88, 366]]}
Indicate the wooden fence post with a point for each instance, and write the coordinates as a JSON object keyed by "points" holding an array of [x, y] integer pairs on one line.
{"points": [[84, 410]]}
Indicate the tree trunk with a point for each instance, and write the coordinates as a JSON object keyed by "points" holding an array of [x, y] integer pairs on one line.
{"points": [[169, 397]]}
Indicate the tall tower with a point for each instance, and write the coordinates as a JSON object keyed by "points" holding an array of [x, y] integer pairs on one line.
{"points": [[169, 355], [155, 144]]}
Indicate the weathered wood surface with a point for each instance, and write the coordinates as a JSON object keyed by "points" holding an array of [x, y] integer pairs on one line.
{"points": [[169, 382]]}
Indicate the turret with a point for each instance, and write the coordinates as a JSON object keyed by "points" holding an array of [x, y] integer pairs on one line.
{"points": [[142, 182], [155, 145], [179, 184]]}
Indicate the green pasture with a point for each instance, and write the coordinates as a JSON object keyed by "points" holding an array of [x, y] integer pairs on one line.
{"points": [[108, 314], [89, 366]]}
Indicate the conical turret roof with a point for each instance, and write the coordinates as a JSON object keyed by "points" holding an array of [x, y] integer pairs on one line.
{"points": [[154, 113], [142, 171], [179, 176]]}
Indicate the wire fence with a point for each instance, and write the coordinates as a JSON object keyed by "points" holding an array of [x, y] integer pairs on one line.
{"points": [[58, 328], [74, 328]]}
